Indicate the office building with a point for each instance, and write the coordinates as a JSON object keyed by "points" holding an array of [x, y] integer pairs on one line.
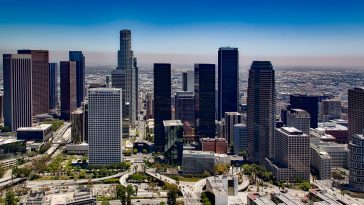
{"points": [[77, 126], [53, 96], [68, 88], [222, 187], [299, 119], [338, 131], [205, 100], [188, 133], [79, 58], [104, 126], [231, 119], [185, 107], [173, 147], [356, 162], [1, 107], [228, 80], [261, 111], [217, 145], [220, 129], [149, 106], [292, 157], [118, 78], [355, 111], [320, 162], [330, 109], [188, 81], [39, 133], [309, 104], [17, 74], [240, 139], [40, 80], [162, 102], [205, 160]]}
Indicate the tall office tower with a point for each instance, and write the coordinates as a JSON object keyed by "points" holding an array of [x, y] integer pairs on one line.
{"points": [[104, 125], [79, 58], [240, 139], [292, 157], [1, 107], [330, 110], [162, 102], [185, 107], [188, 81], [17, 74], [40, 80], [308, 103], [228, 81], [77, 126], [205, 100], [231, 119], [68, 88], [118, 78], [53, 97], [149, 106], [261, 111], [356, 163], [173, 147], [355, 111], [136, 81], [299, 119]]}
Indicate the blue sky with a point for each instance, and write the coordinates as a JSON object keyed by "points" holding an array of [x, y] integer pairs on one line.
{"points": [[261, 29]]}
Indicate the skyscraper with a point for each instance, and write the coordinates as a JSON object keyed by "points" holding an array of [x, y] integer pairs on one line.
{"points": [[17, 74], [188, 79], [299, 119], [356, 164], [40, 80], [79, 58], [205, 100], [308, 103], [231, 119], [261, 111], [330, 109], [173, 147], [53, 98], [185, 107], [68, 88], [104, 126], [228, 80], [162, 102], [240, 139], [355, 111]]}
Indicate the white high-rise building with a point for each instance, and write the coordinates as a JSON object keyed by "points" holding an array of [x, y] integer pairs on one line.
{"points": [[299, 119], [104, 125]]}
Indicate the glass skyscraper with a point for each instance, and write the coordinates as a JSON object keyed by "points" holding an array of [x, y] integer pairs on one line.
{"points": [[79, 58], [53, 98]]}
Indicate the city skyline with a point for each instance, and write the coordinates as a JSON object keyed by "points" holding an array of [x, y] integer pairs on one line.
{"points": [[304, 34]]}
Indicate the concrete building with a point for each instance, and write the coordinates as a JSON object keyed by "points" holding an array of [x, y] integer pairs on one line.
{"points": [[173, 146], [205, 160], [10, 147], [39, 133], [162, 102], [220, 129], [257, 199], [77, 126], [53, 86], [217, 145], [149, 106], [40, 80], [17, 74], [228, 81], [299, 119], [330, 109], [356, 162], [78, 149], [222, 187], [104, 125], [185, 107], [308, 103], [231, 119], [79, 58], [240, 139], [68, 88], [261, 111], [205, 100], [355, 111], [338, 131], [323, 197], [321, 162], [188, 81], [292, 157]]}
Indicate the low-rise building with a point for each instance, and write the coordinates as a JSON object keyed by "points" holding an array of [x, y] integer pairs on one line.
{"points": [[41, 132], [217, 145], [338, 131], [78, 149], [222, 187], [197, 162]]}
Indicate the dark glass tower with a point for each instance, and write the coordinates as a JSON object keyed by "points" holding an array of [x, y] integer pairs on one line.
{"points": [[162, 102], [68, 88], [307, 103], [53, 98], [205, 100], [228, 81], [261, 111], [355, 111], [79, 58]]}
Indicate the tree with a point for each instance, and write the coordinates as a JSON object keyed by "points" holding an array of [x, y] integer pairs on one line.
{"points": [[221, 168], [10, 198], [121, 193], [129, 193], [305, 186], [2, 170], [145, 151], [172, 197], [135, 151]]}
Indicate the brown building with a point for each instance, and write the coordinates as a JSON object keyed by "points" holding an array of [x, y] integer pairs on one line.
{"points": [[355, 111], [68, 88], [40, 80], [188, 133], [217, 145], [149, 106]]}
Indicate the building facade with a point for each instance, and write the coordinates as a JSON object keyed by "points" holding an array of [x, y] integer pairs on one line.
{"points": [[77, 126], [53, 85], [217, 145], [240, 139], [231, 119], [104, 126], [356, 162], [299, 119], [173, 147], [330, 109], [79, 58], [17, 74], [309, 104], [68, 88], [355, 111], [162, 102], [228, 80], [205, 100], [185, 106], [188, 81], [261, 111]]}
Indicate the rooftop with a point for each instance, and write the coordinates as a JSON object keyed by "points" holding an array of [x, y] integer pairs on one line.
{"points": [[41, 127], [291, 131], [169, 123]]}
